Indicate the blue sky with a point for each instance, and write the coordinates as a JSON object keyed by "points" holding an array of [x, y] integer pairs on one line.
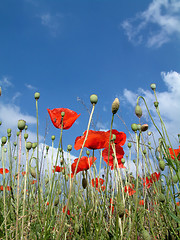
{"points": [[70, 49]]}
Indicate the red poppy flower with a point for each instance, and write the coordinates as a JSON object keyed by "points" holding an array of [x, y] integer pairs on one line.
{"points": [[84, 164], [141, 202], [1, 170], [176, 151], [7, 188], [149, 180], [99, 139], [24, 173], [64, 209], [47, 203], [119, 156], [68, 119], [177, 204], [58, 169], [98, 182], [33, 181], [130, 189]]}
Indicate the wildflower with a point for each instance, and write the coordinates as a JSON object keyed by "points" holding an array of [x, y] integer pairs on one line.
{"points": [[68, 119], [119, 156], [99, 139], [176, 151], [149, 180], [64, 209], [130, 189], [7, 188], [111, 206], [141, 202], [98, 182], [1, 170], [84, 164], [58, 169], [24, 173], [33, 181]]}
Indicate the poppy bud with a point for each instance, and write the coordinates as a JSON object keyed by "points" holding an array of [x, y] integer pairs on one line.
{"points": [[115, 106], [69, 148], [5, 150], [21, 124], [149, 133], [113, 137], [145, 235], [52, 137], [62, 114], [47, 148], [139, 127], [25, 136], [37, 95], [175, 179], [84, 182], [26, 127], [56, 201], [153, 86], [87, 152], [138, 111], [123, 160], [144, 152], [129, 145], [28, 145], [15, 144], [161, 198], [34, 145], [3, 140], [93, 98], [33, 172], [156, 104], [9, 130], [144, 127], [162, 165], [134, 127]]}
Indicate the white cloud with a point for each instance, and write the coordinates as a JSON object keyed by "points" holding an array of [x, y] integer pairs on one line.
{"points": [[168, 102], [17, 94], [5, 82], [161, 21], [29, 86]]}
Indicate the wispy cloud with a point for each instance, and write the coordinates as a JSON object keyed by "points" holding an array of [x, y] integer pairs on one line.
{"points": [[52, 22], [156, 25], [29, 86], [168, 102], [5, 82], [16, 95]]}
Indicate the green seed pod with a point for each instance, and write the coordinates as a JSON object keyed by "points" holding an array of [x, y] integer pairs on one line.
{"points": [[115, 106], [129, 145], [26, 127], [15, 158], [32, 172], [175, 179], [69, 147], [5, 150], [144, 127], [87, 152], [84, 182], [62, 114], [134, 161], [15, 144], [153, 86], [25, 136], [123, 160], [139, 127], [162, 165], [8, 130], [34, 145], [9, 135], [3, 140], [138, 111], [161, 198], [52, 137], [56, 201], [21, 124], [134, 127], [28, 145], [37, 95], [144, 152], [47, 148], [149, 133], [17, 134], [156, 104], [113, 137], [145, 235], [94, 99], [62, 162]]}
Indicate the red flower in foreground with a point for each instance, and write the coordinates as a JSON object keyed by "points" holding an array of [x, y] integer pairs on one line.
{"points": [[176, 151], [149, 180], [1, 170], [119, 156], [97, 183], [99, 139], [130, 189], [68, 119], [33, 181], [58, 169], [24, 173], [64, 209], [141, 202], [7, 188], [84, 164]]}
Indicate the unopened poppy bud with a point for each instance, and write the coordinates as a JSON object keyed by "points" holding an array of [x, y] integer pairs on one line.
{"points": [[115, 106], [113, 137], [161, 198], [56, 201], [3, 140], [62, 114], [9, 135], [28, 145], [87, 152], [15, 144], [149, 133], [139, 127], [34, 145], [129, 145], [156, 104], [17, 134], [9, 130], [144, 127], [52, 137], [47, 148], [138, 111], [134, 127], [33, 172], [175, 179], [93, 98], [153, 86], [37, 95], [144, 152], [25, 136], [69, 147], [5, 150], [21, 124], [26, 127], [84, 182], [134, 161], [162, 165], [62, 161], [123, 160]]}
